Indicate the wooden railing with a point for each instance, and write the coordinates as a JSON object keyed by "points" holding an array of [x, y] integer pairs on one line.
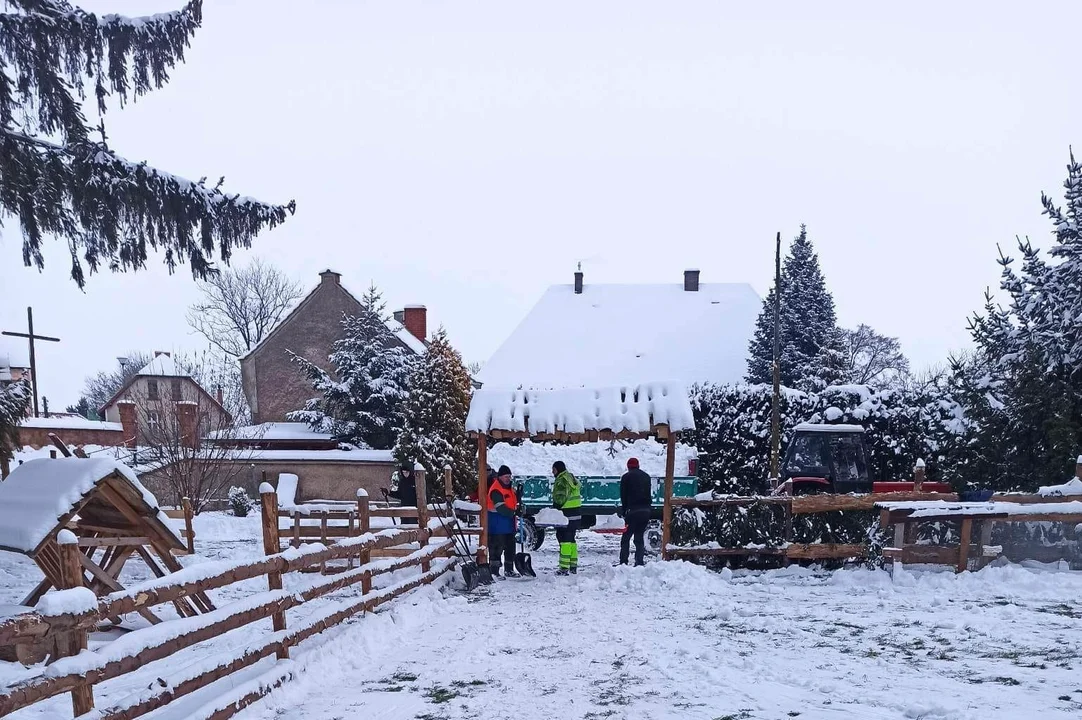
{"points": [[75, 670]]}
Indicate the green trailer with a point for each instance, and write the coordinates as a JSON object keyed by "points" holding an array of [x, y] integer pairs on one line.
{"points": [[600, 496]]}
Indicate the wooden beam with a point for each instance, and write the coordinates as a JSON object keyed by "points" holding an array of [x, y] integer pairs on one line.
{"points": [[482, 493], [965, 536], [825, 551], [96, 542], [268, 503], [666, 513], [725, 552], [82, 695]]}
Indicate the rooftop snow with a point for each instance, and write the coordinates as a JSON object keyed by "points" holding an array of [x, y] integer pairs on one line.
{"points": [[578, 410], [355, 455], [40, 492], [163, 365], [628, 334], [272, 431], [69, 423], [820, 427]]}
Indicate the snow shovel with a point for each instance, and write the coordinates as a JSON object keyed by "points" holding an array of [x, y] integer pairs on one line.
{"points": [[387, 499], [523, 561], [472, 573]]}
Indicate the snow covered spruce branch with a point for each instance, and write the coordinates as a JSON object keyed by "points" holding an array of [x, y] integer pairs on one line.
{"points": [[60, 182]]}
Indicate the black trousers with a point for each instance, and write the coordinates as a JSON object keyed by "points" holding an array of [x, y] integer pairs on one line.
{"points": [[636, 521], [501, 545]]}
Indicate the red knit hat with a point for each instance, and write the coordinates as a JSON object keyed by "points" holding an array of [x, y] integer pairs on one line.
{"points": [[633, 464]]}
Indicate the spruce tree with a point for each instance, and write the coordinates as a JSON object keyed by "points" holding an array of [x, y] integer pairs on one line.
{"points": [[362, 402], [434, 433], [14, 400], [58, 174], [811, 345]]}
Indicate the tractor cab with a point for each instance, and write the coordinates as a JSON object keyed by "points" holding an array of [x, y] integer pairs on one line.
{"points": [[826, 459]]}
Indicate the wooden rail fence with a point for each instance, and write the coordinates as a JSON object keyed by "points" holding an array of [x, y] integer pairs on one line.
{"points": [[77, 671]]}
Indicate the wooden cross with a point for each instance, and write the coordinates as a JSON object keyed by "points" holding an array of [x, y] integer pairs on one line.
{"points": [[31, 337]]}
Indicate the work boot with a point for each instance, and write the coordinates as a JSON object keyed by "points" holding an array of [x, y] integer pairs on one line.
{"points": [[512, 573], [563, 571], [574, 569]]}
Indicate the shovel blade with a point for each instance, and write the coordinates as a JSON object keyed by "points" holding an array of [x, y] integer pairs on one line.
{"points": [[524, 564]]}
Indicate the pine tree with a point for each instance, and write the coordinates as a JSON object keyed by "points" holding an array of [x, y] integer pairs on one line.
{"points": [[61, 181], [434, 433], [83, 409], [362, 402], [811, 346], [14, 400]]}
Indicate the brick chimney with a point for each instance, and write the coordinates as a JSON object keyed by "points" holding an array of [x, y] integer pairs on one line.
{"points": [[578, 281], [219, 396], [691, 281], [186, 423], [329, 276], [127, 423], [415, 318]]}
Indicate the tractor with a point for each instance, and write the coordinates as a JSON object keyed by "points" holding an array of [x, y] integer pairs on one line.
{"points": [[826, 459]]}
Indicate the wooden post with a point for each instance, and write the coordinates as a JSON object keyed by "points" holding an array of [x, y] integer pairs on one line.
{"points": [[5, 469], [269, 506], [666, 513], [1078, 467], [323, 539], [984, 539], [448, 483], [963, 549], [918, 475], [482, 493], [82, 695], [364, 524], [188, 514], [422, 515]]}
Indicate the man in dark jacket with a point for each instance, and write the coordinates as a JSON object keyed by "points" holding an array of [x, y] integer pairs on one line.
{"points": [[502, 504], [404, 489], [635, 499]]}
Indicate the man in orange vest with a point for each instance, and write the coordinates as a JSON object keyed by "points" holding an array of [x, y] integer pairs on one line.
{"points": [[502, 504]]}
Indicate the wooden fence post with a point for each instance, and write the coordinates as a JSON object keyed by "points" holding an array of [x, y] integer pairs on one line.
{"points": [[186, 504], [482, 493], [269, 506], [422, 516], [918, 475], [666, 513], [364, 524], [1078, 467], [82, 695], [449, 486]]}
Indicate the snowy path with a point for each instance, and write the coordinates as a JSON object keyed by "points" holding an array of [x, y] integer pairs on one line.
{"points": [[675, 641]]}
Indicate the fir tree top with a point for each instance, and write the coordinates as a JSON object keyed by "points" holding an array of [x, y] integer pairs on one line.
{"points": [[60, 181], [809, 332]]}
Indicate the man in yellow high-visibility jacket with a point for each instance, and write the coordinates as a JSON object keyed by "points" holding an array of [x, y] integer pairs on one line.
{"points": [[567, 496]]}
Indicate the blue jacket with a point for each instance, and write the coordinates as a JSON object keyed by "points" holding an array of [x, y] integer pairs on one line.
{"points": [[499, 523]]}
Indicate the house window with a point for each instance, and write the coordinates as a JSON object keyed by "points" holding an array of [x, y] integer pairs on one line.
{"points": [[152, 390], [176, 391], [154, 421]]}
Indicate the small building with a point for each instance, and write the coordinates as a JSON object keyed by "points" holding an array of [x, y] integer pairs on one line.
{"points": [[582, 335], [273, 384], [327, 469], [14, 361]]}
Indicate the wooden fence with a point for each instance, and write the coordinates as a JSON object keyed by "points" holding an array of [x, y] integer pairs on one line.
{"points": [[792, 506], [76, 671]]}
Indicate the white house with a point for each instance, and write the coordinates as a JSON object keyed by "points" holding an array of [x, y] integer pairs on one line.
{"points": [[603, 335]]}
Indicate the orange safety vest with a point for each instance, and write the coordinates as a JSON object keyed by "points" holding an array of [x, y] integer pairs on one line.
{"points": [[510, 499]]}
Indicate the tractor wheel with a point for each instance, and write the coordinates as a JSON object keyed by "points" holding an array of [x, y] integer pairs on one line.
{"points": [[529, 534], [653, 536]]}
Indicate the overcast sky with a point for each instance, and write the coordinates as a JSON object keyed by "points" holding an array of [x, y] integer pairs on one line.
{"points": [[465, 155]]}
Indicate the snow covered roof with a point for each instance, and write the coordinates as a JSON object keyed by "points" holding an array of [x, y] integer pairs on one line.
{"points": [[14, 353], [40, 494], [163, 365], [628, 334], [353, 455], [272, 431], [634, 410], [69, 423], [820, 427]]}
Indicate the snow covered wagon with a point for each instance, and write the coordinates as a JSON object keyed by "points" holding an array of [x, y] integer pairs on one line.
{"points": [[659, 409]]}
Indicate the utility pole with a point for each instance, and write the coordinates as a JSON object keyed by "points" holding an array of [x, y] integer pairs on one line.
{"points": [[31, 337], [775, 414]]}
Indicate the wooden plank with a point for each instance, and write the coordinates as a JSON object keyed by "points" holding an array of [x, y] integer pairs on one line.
{"points": [[183, 607], [189, 529], [364, 525], [965, 537], [666, 512], [923, 554], [807, 504], [422, 514], [724, 552], [734, 501], [96, 542], [825, 551], [106, 579]]}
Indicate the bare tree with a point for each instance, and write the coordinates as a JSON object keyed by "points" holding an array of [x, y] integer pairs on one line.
{"points": [[873, 359], [240, 306], [184, 438], [100, 387]]}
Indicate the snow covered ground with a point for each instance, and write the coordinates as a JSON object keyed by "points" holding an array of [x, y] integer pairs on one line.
{"points": [[673, 640], [670, 640]]}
